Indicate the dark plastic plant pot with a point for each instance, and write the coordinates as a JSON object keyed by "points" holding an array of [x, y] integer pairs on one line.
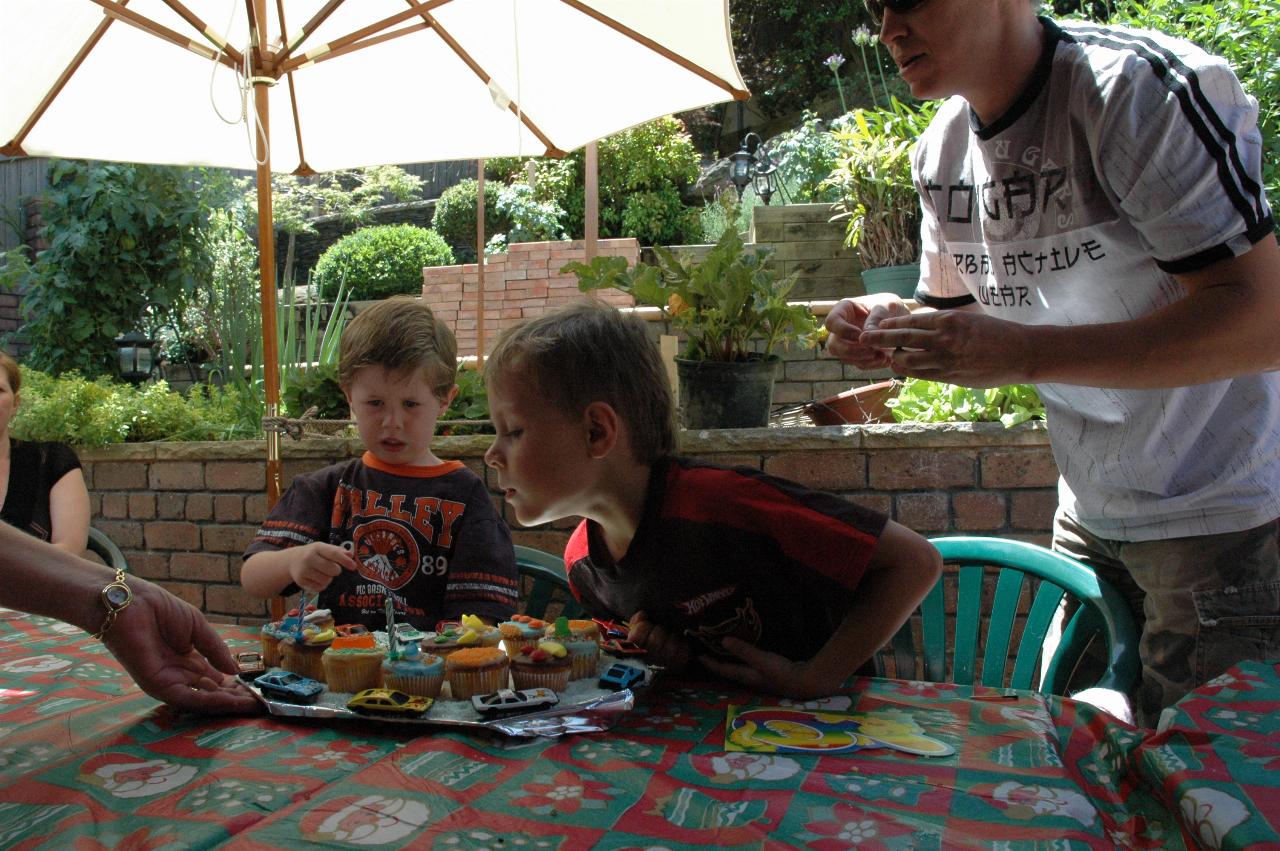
{"points": [[726, 394]]}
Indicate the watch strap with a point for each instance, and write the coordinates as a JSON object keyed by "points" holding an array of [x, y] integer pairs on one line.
{"points": [[114, 608]]}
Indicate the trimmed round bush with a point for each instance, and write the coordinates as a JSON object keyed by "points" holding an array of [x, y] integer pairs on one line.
{"points": [[455, 216], [380, 261]]}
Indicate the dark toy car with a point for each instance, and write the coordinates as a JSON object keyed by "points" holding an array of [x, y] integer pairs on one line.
{"points": [[509, 700], [620, 676], [289, 687]]}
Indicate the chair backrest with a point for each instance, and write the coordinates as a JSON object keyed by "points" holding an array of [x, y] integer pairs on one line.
{"points": [[543, 575], [106, 549], [1027, 583]]}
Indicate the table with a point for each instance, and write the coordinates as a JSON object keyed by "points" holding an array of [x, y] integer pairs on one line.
{"points": [[87, 761]]}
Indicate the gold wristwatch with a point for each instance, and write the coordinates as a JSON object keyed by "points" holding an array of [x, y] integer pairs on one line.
{"points": [[116, 597]]}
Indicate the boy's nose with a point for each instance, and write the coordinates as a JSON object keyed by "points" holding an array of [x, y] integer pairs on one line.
{"points": [[491, 455]]}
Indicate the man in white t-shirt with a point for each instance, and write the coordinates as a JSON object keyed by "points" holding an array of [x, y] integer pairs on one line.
{"points": [[1094, 222]]}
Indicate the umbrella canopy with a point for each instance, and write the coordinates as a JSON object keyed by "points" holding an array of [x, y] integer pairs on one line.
{"points": [[354, 83]]}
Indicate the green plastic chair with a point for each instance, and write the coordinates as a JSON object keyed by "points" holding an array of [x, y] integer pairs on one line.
{"points": [[106, 549], [1102, 614], [543, 574]]}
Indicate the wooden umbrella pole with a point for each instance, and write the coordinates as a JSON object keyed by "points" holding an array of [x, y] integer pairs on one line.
{"points": [[267, 267], [480, 265]]}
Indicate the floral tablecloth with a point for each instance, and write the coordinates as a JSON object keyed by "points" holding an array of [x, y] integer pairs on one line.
{"points": [[86, 761]]}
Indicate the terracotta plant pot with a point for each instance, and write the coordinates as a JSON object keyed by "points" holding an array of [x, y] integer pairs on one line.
{"points": [[856, 405]]}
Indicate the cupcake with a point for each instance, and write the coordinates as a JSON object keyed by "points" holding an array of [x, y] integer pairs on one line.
{"points": [[302, 654], [489, 635], [414, 673], [270, 636], [581, 638], [476, 670], [448, 638], [521, 631], [352, 669], [544, 665]]}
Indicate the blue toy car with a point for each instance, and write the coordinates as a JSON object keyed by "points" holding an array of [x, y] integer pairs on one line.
{"points": [[620, 676], [289, 687]]}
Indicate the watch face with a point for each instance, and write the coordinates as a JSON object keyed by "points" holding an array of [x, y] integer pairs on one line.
{"points": [[118, 595]]}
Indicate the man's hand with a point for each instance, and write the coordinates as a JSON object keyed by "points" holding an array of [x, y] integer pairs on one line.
{"points": [[954, 346], [175, 656], [315, 565], [850, 318], [663, 646], [761, 670]]}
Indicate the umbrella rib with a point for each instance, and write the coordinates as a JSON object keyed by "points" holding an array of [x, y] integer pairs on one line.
{"points": [[303, 169], [13, 148], [640, 38], [307, 29], [360, 36], [217, 40], [119, 12], [486, 78]]}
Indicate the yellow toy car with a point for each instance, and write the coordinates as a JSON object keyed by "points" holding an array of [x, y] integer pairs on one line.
{"points": [[388, 701]]}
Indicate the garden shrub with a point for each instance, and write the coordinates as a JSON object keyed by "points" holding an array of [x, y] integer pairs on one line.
{"points": [[125, 245], [83, 412], [316, 386], [380, 261], [455, 216]]}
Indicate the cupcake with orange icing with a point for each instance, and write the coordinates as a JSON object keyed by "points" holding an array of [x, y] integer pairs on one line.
{"points": [[542, 665], [522, 631], [582, 639], [476, 670], [353, 662]]}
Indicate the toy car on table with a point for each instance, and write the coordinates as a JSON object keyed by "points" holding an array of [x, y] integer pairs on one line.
{"points": [[621, 676], [509, 700], [289, 687], [388, 701], [250, 664]]}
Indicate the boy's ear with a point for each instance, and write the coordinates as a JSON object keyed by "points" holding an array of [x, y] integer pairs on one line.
{"points": [[603, 426], [448, 398]]}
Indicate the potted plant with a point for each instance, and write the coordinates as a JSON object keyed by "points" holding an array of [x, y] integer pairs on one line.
{"points": [[731, 307], [877, 195]]}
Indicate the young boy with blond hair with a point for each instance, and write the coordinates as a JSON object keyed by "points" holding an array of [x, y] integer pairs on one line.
{"points": [[397, 521], [759, 579]]}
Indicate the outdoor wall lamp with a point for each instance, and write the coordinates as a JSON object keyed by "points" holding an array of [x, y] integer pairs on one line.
{"points": [[752, 165], [133, 353]]}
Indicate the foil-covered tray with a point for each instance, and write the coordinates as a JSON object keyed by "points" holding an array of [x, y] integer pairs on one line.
{"points": [[584, 707]]}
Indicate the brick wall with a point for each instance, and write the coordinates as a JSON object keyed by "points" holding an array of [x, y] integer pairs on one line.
{"points": [[524, 282], [183, 513]]}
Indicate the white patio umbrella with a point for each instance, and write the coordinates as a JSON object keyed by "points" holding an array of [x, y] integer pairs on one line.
{"points": [[354, 83]]}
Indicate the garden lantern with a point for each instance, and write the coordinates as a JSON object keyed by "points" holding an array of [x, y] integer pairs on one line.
{"points": [[751, 165], [133, 353]]}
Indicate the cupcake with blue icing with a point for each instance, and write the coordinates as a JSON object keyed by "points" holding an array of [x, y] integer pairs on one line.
{"points": [[582, 639], [520, 632], [414, 672]]}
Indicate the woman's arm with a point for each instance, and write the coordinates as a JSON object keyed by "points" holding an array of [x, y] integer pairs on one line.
{"points": [[69, 513]]}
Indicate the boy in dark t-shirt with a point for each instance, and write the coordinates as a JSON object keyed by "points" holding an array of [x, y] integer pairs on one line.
{"points": [[398, 521], [763, 581]]}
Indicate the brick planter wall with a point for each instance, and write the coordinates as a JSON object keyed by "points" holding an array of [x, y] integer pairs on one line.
{"points": [[183, 513]]}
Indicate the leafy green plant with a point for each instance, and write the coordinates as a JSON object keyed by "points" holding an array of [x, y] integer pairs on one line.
{"points": [[643, 174], [76, 410], [532, 220], [722, 303], [471, 403], [806, 157], [921, 401], [125, 246], [455, 216], [317, 386], [873, 179], [380, 261]]}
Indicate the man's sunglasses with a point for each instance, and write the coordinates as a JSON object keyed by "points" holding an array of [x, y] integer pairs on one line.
{"points": [[898, 7]]}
